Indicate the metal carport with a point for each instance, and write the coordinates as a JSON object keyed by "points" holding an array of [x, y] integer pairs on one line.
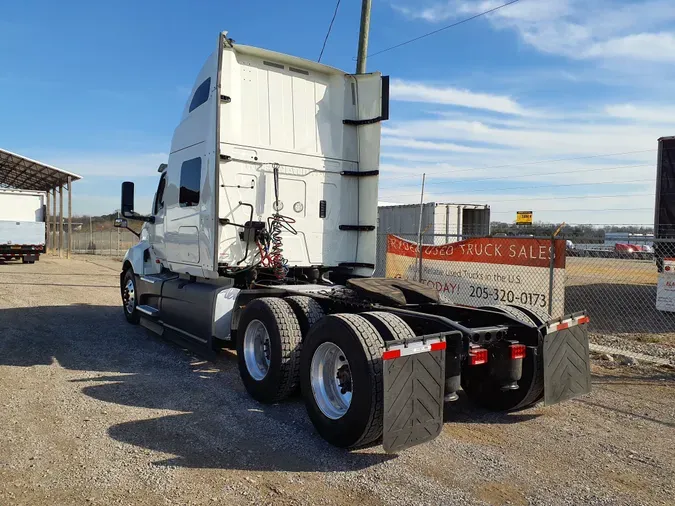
{"points": [[21, 173]]}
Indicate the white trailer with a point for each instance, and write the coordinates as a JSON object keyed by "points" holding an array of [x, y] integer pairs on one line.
{"points": [[441, 222], [22, 225], [262, 238]]}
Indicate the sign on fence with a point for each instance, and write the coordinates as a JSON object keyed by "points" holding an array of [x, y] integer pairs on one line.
{"points": [[665, 289], [523, 217], [485, 271]]}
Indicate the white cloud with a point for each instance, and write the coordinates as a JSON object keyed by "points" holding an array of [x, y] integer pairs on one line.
{"points": [[428, 145], [658, 47], [577, 168], [577, 29], [651, 113], [410, 91], [556, 139]]}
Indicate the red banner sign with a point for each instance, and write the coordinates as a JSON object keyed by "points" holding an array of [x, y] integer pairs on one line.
{"points": [[492, 250]]}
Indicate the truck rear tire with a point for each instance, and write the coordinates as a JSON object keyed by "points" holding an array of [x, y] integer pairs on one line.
{"points": [[307, 311], [341, 379], [389, 326], [268, 349], [130, 297]]}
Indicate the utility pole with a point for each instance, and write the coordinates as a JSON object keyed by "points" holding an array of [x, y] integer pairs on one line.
{"points": [[363, 37], [419, 230]]}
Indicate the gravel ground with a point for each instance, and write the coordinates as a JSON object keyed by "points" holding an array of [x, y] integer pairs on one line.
{"points": [[664, 351], [95, 411]]}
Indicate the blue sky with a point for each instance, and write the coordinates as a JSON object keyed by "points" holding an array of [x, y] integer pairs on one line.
{"points": [[97, 88]]}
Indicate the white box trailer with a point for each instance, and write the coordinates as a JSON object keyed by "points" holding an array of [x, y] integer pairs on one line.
{"points": [[262, 238], [22, 224], [441, 224]]}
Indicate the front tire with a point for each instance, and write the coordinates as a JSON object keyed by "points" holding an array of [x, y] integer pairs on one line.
{"points": [[341, 379], [130, 297], [268, 349]]}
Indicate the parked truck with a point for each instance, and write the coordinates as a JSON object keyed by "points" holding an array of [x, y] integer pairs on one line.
{"points": [[262, 239], [22, 225]]}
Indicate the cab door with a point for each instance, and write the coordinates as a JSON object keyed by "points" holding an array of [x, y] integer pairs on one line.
{"points": [[156, 229], [183, 209]]}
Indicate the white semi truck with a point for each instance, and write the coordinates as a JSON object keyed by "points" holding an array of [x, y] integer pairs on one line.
{"points": [[262, 238], [22, 225]]}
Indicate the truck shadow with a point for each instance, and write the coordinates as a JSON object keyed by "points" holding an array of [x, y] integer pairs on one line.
{"points": [[464, 411], [211, 421]]}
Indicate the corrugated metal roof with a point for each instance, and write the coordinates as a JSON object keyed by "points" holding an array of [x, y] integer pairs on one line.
{"points": [[23, 173]]}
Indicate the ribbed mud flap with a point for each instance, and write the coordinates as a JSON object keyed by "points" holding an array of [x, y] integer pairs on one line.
{"points": [[413, 398], [567, 365]]}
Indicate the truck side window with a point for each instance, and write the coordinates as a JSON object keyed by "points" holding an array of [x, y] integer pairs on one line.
{"points": [[159, 196], [201, 94], [190, 179]]}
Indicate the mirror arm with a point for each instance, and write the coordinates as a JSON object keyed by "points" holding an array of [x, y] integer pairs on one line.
{"points": [[133, 232], [139, 217]]}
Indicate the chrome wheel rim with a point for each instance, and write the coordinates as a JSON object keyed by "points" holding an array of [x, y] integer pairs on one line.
{"points": [[257, 350], [331, 380], [129, 297]]}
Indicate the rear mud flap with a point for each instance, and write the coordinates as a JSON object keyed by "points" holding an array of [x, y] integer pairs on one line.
{"points": [[567, 365], [413, 398]]}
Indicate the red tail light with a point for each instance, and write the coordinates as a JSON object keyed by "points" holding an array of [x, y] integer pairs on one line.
{"points": [[478, 356], [517, 351]]}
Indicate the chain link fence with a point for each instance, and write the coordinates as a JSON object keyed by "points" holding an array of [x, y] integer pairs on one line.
{"points": [[111, 242], [615, 283]]}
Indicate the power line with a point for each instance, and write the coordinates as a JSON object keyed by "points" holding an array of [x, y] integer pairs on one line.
{"points": [[578, 210], [444, 28], [533, 187], [522, 176], [330, 27], [530, 163], [528, 199], [497, 178]]}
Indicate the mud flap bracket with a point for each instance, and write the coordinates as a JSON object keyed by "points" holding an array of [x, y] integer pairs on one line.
{"points": [[414, 382]]}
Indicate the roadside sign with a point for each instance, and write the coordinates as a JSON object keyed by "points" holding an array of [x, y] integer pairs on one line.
{"points": [[524, 217], [665, 288], [485, 271]]}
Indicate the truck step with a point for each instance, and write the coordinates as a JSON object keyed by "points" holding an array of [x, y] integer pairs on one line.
{"points": [[148, 310]]}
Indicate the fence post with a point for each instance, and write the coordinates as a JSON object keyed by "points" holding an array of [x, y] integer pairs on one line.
{"points": [[550, 276], [110, 251]]}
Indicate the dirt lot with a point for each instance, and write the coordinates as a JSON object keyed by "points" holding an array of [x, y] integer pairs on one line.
{"points": [[94, 411]]}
